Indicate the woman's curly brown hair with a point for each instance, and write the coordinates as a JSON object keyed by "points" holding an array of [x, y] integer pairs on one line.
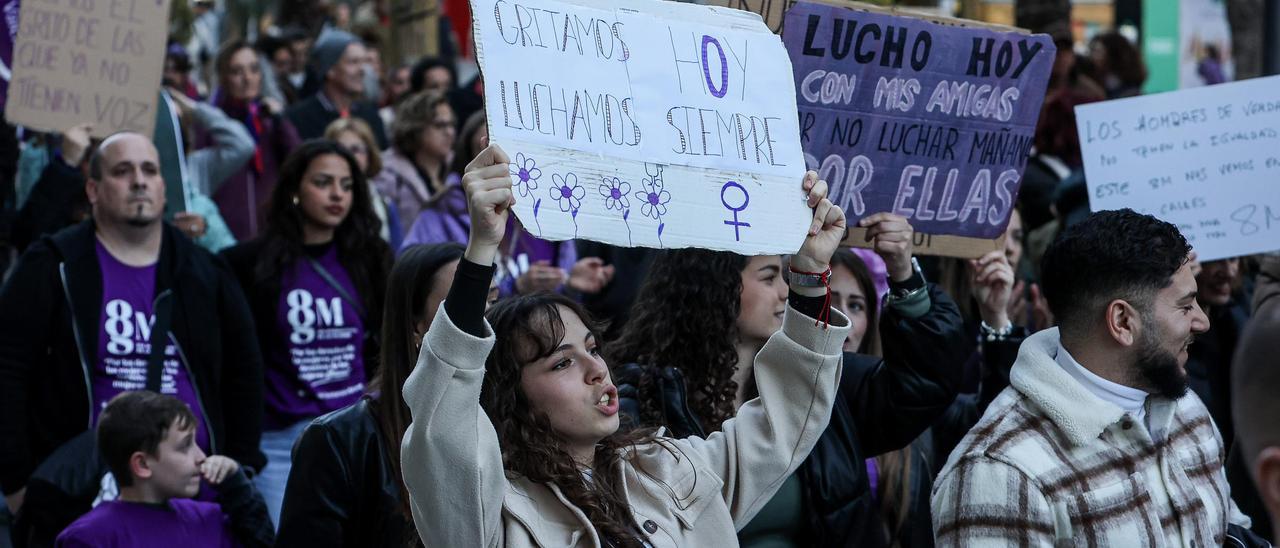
{"points": [[527, 328], [685, 316]]}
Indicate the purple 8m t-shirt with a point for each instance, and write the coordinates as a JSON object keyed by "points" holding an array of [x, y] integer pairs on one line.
{"points": [[316, 362], [124, 334]]}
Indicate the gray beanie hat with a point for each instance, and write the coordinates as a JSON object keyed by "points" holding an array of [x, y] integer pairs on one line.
{"points": [[329, 48]]}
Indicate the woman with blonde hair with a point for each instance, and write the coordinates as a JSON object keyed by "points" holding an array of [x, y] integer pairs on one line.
{"points": [[355, 135]]}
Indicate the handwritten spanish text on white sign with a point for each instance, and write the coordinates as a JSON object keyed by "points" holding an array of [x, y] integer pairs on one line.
{"points": [[1205, 159], [644, 123]]}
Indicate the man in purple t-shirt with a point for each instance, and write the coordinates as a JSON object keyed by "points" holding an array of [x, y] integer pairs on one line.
{"points": [[124, 340], [148, 441], [83, 308]]}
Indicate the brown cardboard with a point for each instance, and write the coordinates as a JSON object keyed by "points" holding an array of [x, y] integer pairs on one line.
{"points": [[773, 12], [88, 61], [936, 244]]}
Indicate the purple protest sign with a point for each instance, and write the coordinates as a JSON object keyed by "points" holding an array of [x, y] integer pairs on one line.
{"points": [[8, 35], [928, 121]]}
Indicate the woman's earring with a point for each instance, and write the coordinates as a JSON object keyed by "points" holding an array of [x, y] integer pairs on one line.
{"points": [[295, 200]]}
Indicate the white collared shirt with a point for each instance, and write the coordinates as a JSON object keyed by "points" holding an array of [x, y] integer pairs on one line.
{"points": [[1132, 400]]}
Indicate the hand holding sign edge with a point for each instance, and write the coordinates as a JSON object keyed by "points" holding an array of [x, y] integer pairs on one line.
{"points": [[487, 184], [825, 231]]}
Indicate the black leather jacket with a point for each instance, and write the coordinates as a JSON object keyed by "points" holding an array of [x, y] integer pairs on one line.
{"points": [[882, 405], [342, 490]]}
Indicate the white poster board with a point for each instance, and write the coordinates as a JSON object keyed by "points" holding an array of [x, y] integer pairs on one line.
{"points": [[1205, 159], [644, 123]]}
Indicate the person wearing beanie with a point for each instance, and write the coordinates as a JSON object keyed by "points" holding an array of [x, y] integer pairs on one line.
{"points": [[339, 57]]}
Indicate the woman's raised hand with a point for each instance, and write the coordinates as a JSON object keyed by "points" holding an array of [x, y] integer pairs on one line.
{"points": [[826, 230], [487, 183], [991, 278]]}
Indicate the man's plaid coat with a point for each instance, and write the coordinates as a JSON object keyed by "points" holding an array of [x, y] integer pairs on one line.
{"points": [[1050, 464]]}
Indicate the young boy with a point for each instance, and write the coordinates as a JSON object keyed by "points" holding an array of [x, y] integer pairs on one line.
{"points": [[148, 442]]}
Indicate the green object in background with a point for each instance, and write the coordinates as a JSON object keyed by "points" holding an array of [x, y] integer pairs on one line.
{"points": [[168, 141], [1160, 44]]}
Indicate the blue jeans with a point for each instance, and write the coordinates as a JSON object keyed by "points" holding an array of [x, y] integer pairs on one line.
{"points": [[277, 445]]}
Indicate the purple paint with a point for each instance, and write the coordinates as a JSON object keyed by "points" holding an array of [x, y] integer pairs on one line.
{"points": [[615, 193], [871, 127], [566, 191], [746, 199], [724, 68], [8, 36], [537, 204], [526, 173]]}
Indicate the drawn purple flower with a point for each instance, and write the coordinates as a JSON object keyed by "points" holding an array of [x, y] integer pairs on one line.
{"points": [[615, 193], [567, 192], [525, 174], [653, 200], [537, 204]]}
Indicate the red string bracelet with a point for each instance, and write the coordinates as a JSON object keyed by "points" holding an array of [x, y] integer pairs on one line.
{"points": [[824, 317]]}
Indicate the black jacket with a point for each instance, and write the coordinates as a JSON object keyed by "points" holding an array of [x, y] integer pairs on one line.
{"points": [[312, 115], [49, 339], [57, 201], [881, 406], [995, 359], [342, 490]]}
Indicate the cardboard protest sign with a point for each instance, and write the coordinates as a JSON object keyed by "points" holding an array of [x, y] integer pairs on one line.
{"points": [[84, 61], [1205, 159], [928, 121], [644, 123]]}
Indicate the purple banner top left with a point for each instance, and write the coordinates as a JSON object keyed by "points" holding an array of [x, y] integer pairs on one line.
{"points": [[8, 35], [928, 121]]}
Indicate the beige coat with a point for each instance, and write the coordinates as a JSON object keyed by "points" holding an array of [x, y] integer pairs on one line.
{"points": [[689, 492]]}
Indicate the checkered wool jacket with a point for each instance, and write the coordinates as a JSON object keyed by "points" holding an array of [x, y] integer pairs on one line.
{"points": [[1050, 464]]}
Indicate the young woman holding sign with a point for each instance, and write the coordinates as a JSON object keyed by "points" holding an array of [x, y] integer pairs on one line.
{"points": [[315, 281], [678, 377], [515, 440]]}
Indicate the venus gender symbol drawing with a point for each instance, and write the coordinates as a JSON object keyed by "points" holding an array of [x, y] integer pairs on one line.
{"points": [[644, 123]]}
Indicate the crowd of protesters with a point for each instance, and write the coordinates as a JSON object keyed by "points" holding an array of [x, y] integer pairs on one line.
{"points": [[342, 336]]}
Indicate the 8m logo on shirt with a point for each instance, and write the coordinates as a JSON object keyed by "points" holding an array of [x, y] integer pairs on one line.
{"points": [[127, 330], [304, 310]]}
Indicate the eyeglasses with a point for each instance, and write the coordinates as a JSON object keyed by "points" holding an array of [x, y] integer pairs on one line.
{"points": [[357, 149]]}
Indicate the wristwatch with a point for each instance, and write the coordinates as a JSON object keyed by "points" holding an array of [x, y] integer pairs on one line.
{"points": [[910, 286]]}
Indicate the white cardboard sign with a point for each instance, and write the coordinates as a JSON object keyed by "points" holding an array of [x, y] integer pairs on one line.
{"points": [[644, 123], [1205, 159]]}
